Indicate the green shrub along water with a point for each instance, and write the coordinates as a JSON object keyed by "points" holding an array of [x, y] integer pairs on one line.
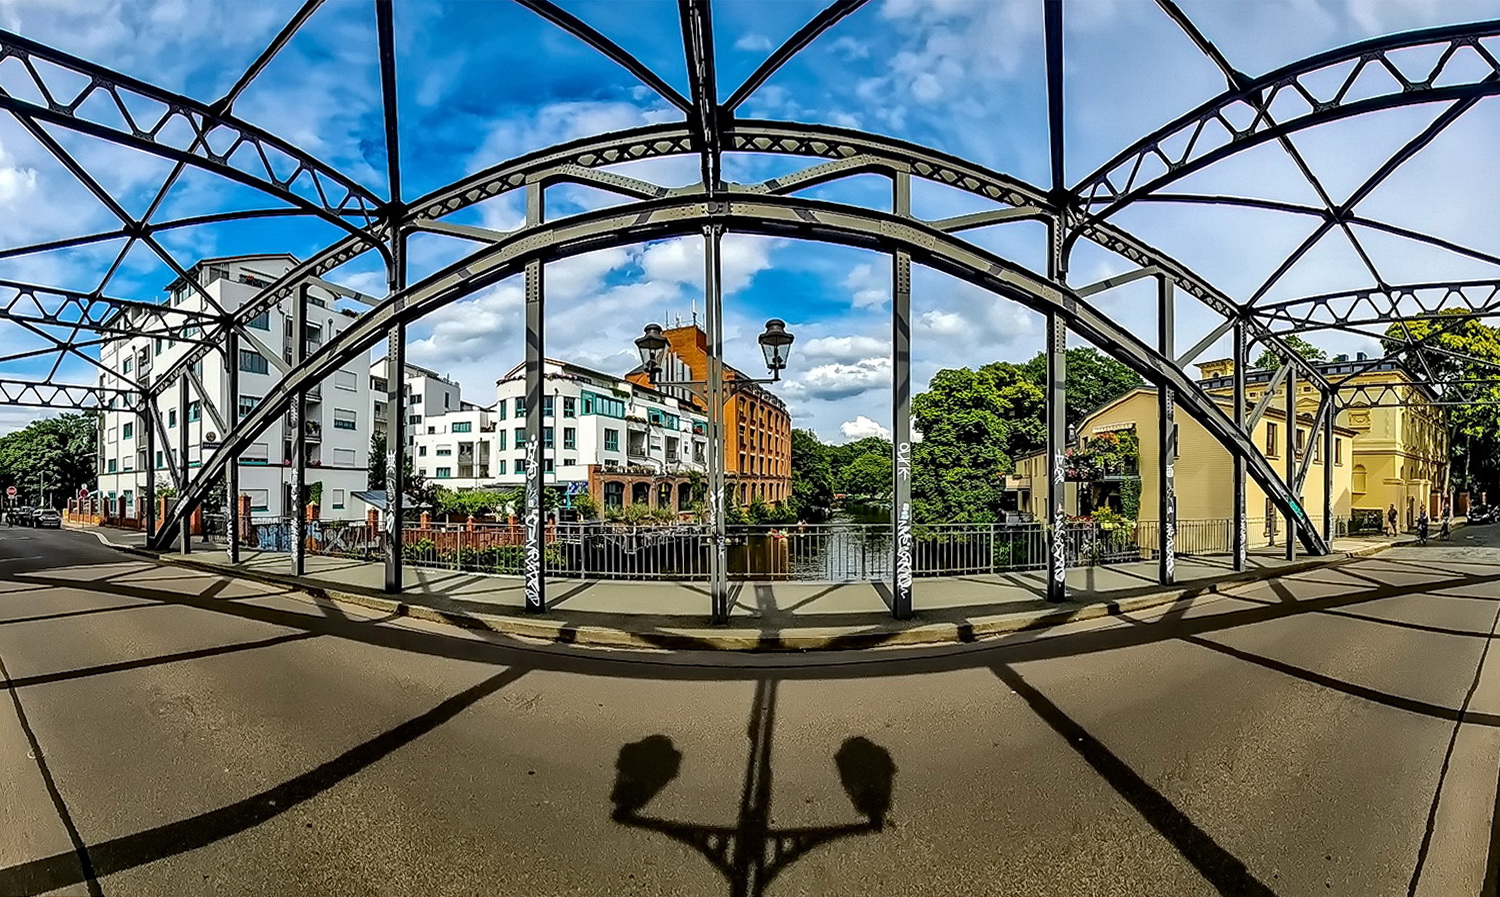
{"points": [[510, 559]]}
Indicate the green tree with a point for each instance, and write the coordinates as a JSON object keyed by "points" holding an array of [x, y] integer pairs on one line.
{"points": [[812, 477], [1093, 379], [957, 466], [1459, 346], [50, 458], [1269, 360], [868, 476]]}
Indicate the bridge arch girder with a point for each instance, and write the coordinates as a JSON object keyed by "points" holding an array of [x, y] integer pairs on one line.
{"points": [[764, 215]]}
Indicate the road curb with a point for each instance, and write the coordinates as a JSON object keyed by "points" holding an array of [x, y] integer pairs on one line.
{"points": [[697, 636]]}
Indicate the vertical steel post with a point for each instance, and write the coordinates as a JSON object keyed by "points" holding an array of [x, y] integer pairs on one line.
{"points": [[713, 301], [536, 521], [1291, 457], [901, 561], [148, 432], [1240, 549], [1057, 433], [232, 415], [395, 428], [1333, 413], [1166, 430], [186, 527], [298, 428]]}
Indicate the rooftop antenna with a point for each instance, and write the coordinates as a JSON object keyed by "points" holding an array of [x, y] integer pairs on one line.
{"points": [[695, 311]]}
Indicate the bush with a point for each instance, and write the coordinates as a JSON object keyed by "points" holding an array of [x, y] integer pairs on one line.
{"points": [[1130, 498]]}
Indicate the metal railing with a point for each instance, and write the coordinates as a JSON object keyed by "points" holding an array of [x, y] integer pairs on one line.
{"points": [[833, 552]]}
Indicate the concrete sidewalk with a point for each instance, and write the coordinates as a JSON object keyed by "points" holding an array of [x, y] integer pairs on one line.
{"points": [[764, 616]]}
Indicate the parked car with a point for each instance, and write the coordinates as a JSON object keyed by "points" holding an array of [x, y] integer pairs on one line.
{"points": [[1483, 514], [20, 516], [46, 517]]}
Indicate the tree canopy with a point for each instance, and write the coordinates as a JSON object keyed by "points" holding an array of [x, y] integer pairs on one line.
{"points": [[1092, 380], [1269, 360], [50, 459], [812, 477]]}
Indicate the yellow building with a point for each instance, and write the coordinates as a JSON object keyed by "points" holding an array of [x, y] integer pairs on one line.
{"points": [[1400, 456], [1204, 469]]}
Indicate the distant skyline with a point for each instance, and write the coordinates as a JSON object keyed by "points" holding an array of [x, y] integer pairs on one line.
{"points": [[482, 82]]}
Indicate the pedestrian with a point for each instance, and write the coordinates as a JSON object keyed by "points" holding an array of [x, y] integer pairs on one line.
{"points": [[1422, 527], [1390, 519], [1446, 533]]}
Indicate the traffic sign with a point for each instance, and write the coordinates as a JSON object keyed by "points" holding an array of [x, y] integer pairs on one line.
{"points": [[83, 492], [10, 491]]}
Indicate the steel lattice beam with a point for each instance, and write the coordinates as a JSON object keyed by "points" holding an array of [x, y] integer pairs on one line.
{"points": [[769, 216]]}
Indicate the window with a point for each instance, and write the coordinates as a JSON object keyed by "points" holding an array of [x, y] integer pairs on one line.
{"points": [[415, 400], [547, 437], [1271, 440], [1301, 440], [414, 418], [158, 461], [129, 496], [343, 457], [614, 494], [253, 362], [195, 411], [500, 410], [570, 438], [463, 426], [444, 473], [156, 349], [261, 321], [500, 467], [422, 451], [343, 419], [1358, 479], [611, 440], [1338, 451], [520, 466], [570, 407], [346, 380], [125, 368], [444, 452], [546, 465], [500, 440], [260, 499], [247, 404], [446, 398], [520, 437], [129, 464], [113, 465], [593, 403], [127, 431], [520, 407], [546, 406], [338, 499], [171, 417], [570, 462]]}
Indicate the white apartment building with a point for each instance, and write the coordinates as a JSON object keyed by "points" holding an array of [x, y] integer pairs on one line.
{"points": [[338, 410], [597, 429], [427, 394]]}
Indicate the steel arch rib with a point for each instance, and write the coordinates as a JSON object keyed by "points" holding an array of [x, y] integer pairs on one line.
{"points": [[849, 152], [327, 192], [1120, 180], [762, 215]]}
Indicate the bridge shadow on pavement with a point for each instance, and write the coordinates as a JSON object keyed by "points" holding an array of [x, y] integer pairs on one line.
{"points": [[749, 853]]}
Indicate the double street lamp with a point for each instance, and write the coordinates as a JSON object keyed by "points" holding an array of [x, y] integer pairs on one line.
{"points": [[776, 345]]}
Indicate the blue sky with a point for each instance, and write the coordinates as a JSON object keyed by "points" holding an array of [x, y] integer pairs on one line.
{"points": [[484, 80]]}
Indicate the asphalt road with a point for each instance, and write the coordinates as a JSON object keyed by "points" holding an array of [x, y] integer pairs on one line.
{"points": [[171, 733]]}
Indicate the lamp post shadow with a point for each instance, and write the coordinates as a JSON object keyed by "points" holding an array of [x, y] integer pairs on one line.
{"points": [[750, 853]]}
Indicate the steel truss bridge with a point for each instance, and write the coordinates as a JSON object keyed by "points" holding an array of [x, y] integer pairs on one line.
{"points": [[47, 91]]}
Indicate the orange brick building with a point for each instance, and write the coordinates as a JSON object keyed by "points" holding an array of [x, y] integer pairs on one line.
{"points": [[757, 427]]}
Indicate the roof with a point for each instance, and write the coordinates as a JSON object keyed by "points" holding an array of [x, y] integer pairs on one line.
{"points": [[376, 498]]}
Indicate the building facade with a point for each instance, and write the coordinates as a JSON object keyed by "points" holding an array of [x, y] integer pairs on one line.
{"points": [[620, 442], [338, 410], [1400, 451], [1204, 469], [425, 394], [757, 426]]}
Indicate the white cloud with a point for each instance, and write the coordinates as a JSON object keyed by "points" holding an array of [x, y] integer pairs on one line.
{"points": [[753, 43], [842, 349], [828, 382], [680, 260], [868, 288], [862, 427]]}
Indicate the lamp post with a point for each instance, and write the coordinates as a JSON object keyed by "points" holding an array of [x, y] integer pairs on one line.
{"points": [[776, 345]]}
